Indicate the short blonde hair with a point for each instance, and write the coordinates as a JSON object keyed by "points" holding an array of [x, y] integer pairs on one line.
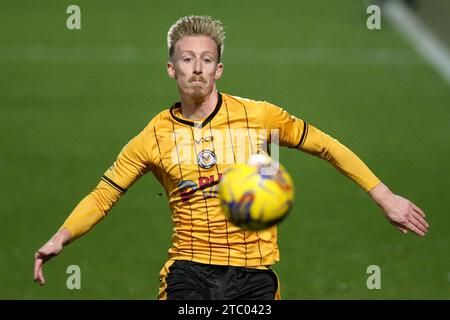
{"points": [[196, 26]]}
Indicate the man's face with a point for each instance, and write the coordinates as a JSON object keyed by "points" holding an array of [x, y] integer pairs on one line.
{"points": [[195, 66]]}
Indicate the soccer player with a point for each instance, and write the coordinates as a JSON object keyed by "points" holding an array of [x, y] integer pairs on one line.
{"points": [[187, 148]]}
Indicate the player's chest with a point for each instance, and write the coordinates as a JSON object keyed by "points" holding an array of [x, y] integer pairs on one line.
{"points": [[190, 150]]}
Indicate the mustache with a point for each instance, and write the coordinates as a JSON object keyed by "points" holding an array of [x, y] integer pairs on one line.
{"points": [[201, 79]]}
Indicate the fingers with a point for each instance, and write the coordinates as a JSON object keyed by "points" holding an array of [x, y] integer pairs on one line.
{"points": [[398, 226], [402, 230], [423, 230], [415, 229], [38, 275], [416, 221], [41, 277], [418, 210], [419, 221], [37, 266], [413, 225]]}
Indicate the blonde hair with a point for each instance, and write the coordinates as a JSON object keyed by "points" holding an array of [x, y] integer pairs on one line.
{"points": [[196, 26]]}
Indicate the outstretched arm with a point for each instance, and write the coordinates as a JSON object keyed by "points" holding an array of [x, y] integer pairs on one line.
{"points": [[298, 134], [91, 210], [401, 212], [131, 164]]}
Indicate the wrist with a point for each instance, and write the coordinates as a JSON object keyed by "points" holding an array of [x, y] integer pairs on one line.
{"points": [[380, 194], [62, 237]]}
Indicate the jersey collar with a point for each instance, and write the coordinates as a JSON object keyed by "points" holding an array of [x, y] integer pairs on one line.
{"points": [[197, 124]]}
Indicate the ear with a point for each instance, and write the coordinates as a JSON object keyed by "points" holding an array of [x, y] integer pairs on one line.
{"points": [[219, 70], [171, 70]]}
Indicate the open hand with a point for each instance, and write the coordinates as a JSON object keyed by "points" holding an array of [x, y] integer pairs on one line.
{"points": [[405, 215], [401, 212]]}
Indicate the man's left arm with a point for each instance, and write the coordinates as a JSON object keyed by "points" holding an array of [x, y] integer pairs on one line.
{"points": [[401, 212], [296, 133]]}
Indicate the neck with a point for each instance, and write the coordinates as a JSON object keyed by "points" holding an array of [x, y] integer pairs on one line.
{"points": [[196, 108]]}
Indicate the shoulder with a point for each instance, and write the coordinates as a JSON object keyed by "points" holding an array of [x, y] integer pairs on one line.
{"points": [[153, 129], [146, 141], [158, 122]]}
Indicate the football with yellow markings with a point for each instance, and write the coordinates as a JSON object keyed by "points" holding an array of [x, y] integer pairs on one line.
{"points": [[256, 195]]}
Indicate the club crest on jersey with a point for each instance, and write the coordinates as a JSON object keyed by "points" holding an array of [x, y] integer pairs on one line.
{"points": [[206, 159]]}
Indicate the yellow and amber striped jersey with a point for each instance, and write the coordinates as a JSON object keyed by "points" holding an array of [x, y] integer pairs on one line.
{"points": [[188, 158]]}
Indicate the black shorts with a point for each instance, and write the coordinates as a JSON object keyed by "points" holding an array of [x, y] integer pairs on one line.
{"points": [[187, 280]]}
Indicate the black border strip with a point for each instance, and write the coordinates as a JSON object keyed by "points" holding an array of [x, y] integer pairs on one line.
{"points": [[304, 134], [113, 184]]}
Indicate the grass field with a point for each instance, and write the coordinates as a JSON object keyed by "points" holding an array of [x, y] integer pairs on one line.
{"points": [[69, 101]]}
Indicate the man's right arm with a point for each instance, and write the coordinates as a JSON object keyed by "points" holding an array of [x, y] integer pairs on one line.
{"points": [[132, 162], [91, 210]]}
